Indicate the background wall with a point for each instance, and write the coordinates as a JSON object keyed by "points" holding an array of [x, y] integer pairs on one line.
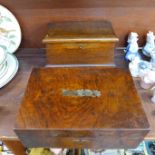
{"points": [[126, 16]]}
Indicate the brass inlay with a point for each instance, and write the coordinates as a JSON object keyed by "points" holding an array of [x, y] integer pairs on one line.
{"points": [[81, 93]]}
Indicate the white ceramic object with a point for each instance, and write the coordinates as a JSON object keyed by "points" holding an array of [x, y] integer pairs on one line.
{"points": [[153, 98], [148, 79], [12, 64], [152, 55], [134, 67], [132, 48], [132, 35], [144, 67], [3, 70], [56, 151], [150, 44], [139, 68], [3, 55], [10, 32]]}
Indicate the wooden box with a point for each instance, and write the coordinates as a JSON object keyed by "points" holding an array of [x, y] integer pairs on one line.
{"points": [[81, 107], [80, 43]]}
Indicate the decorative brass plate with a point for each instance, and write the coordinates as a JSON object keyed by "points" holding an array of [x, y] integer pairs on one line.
{"points": [[81, 93]]}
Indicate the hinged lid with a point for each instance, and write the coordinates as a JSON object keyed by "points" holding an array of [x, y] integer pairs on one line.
{"points": [[85, 31], [61, 93]]}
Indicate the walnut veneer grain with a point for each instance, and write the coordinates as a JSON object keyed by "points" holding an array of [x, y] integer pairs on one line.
{"points": [[115, 119], [11, 95], [80, 42]]}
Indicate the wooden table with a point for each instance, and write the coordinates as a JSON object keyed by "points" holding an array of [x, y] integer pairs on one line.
{"points": [[11, 95]]}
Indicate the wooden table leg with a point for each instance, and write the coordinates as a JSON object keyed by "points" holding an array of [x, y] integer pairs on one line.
{"points": [[15, 146]]}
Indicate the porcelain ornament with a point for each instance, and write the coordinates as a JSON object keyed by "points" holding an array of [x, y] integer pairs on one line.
{"points": [[150, 44], [132, 48]]}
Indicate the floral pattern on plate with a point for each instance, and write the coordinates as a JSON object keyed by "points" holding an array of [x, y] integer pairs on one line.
{"points": [[10, 32]]}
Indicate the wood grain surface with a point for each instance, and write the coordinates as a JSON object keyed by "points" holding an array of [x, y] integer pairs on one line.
{"points": [[44, 97], [83, 42], [114, 114], [82, 53], [125, 16], [15, 146], [80, 31], [12, 94]]}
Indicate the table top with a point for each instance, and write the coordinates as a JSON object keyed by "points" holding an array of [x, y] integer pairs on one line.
{"points": [[12, 94]]}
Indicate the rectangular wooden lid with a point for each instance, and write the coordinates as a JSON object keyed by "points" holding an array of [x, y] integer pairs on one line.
{"points": [[75, 31], [80, 98]]}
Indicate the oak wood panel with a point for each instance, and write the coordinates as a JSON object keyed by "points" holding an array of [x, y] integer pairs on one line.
{"points": [[125, 16]]}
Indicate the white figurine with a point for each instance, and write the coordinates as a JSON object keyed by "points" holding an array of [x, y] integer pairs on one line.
{"points": [[148, 79], [139, 68], [150, 44], [132, 48], [134, 67], [144, 68], [152, 54], [153, 98]]}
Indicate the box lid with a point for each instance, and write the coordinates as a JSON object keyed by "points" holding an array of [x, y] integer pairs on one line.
{"points": [[80, 31], [81, 98]]}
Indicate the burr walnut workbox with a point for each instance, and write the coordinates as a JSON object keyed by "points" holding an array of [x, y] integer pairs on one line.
{"points": [[81, 107], [80, 43]]}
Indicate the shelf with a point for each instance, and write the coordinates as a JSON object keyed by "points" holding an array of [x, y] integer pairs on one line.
{"points": [[11, 95], [126, 16], [46, 4]]}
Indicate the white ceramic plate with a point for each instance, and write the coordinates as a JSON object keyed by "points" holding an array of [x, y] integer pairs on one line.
{"points": [[3, 56], [3, 70], [12, 64], [10, 32]]}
